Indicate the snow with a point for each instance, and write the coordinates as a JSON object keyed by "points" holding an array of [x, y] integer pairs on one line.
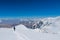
{"points": [[25, 34], [21, 27], [33, 35], [7, 34], [54, 27], [48, 32]]}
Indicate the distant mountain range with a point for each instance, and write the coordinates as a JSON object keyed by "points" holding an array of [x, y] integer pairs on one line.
{"points": [[31, 23]]}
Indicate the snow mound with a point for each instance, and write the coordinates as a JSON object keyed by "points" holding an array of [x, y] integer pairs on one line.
{"points": [[20, 30], [21, 27]]}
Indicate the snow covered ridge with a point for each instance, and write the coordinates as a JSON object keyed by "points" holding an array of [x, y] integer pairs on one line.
{"points": [[49, 24], [30, 29]]}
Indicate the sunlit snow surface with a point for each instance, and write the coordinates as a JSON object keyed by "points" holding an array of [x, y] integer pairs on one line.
{"points": [[23, 33], [48, 32]]}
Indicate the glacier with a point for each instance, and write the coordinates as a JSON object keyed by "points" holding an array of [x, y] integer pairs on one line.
{"points": [[49, 30]]}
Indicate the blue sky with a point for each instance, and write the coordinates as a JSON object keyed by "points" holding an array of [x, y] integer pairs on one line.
{"points": [[18, 8]]}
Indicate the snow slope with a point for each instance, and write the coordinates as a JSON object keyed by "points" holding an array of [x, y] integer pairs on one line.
{"points": [[50, 31], [7, 34], [25, 34], [33, 35], [52, 25]]}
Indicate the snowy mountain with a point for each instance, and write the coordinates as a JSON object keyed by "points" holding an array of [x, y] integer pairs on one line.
{"points": [[32, 29], [22, 33], [51, 25]]}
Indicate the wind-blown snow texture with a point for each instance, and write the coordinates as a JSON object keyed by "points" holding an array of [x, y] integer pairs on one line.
{"points": [[50, 30]]}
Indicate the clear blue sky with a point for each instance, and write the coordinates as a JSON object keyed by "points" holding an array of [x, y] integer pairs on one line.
{"points": [[18, 8]]}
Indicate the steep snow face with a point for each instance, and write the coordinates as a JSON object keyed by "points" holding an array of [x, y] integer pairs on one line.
{"points": [[51, 25]]}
